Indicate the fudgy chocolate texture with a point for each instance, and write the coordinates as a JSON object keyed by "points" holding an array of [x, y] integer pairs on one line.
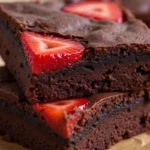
{"points": [[116, 57], [109, 118], [141, 8]]}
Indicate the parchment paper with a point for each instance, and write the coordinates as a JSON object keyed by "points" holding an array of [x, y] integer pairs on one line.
{"points": [[140, 142]]}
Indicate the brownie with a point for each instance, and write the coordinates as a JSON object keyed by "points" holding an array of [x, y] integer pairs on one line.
{"points": [[109, 118], [141, 8], [116, 56]]}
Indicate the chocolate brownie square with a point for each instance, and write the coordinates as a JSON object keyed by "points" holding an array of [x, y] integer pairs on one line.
{"points": [[58, 51]]}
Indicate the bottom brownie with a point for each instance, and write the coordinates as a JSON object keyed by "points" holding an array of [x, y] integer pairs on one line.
{"points": [[123, 121], [109, 118]]}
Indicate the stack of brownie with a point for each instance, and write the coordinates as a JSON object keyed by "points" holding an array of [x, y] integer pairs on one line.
{"points": [[81, 74]]}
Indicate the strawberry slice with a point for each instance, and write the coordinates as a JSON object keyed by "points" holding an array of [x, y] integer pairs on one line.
{"points": [[48, 53], [62, 116], [96, 10]]}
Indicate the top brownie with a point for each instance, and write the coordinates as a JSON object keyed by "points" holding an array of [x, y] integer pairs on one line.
{"points": [[57, 50]]}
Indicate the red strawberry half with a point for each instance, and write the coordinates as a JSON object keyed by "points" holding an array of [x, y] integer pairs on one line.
{"points": [[96, 10], [48, 53], [62, 116]]}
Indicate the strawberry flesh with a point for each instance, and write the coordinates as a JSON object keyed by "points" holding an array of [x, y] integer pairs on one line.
{"points": [[48, 53], [96, 10], [62, 116]]}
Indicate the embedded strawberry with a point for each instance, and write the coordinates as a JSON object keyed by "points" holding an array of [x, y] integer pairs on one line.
{"points": [[62, 116], [96, 10], [48, 53]]}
